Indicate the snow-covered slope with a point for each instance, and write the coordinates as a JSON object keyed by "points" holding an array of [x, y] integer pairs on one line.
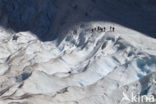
{"points": [[85, 68]]}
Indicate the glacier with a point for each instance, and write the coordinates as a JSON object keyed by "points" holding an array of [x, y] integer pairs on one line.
{"points": [[87, 67], [48, 57]]}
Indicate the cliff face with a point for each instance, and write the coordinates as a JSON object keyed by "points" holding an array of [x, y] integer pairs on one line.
{"points": [[51, 19], [27, 15]]}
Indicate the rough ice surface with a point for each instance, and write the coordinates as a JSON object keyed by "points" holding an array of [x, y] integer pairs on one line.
{"points": [[83, 67], [91, 71]]}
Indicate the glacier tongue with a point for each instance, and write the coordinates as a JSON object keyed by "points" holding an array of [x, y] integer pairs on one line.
{"points": [[85, 68]]}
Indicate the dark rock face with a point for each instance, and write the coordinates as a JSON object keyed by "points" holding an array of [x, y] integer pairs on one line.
{"points": [[27, 15], [50, 19]]}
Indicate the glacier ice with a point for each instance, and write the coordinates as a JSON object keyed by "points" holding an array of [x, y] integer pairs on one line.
{"points": [[90, 67], [77, 66]]}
